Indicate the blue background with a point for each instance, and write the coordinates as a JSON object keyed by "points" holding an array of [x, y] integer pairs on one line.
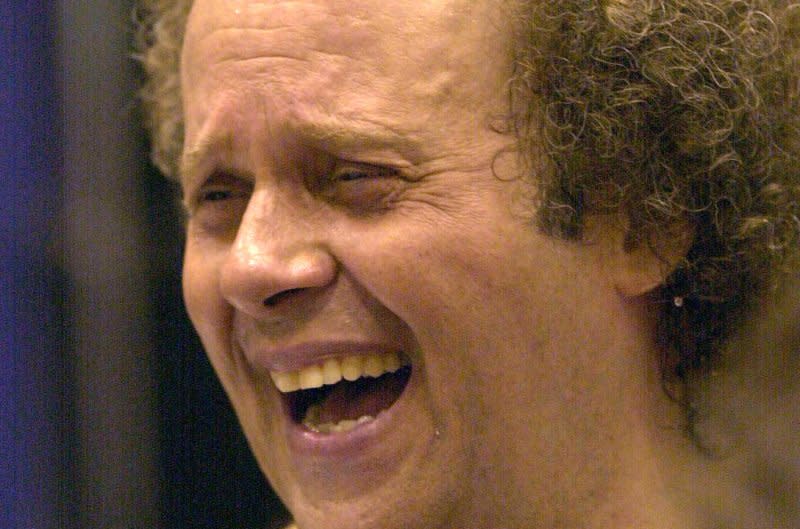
{"points": [[110, 415], [31, 381]]}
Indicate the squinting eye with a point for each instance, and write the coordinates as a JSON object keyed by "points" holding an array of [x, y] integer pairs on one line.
{"points": [[221, 187], [360, 187], [352, 172], [215, 195], [351, 175], [219, 204]]}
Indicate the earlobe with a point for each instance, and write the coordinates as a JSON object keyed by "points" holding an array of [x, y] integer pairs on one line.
{"points": [[643, 268]]}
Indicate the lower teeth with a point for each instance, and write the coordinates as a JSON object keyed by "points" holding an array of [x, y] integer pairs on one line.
{"points": [[312, 417], [342, 426]]}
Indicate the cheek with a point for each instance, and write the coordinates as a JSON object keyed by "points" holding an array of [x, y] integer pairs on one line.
{"points": [[462, 298], [452, 284], [207, 309], [199, 286]]}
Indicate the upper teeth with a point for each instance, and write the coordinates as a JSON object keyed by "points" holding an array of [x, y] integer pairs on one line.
{"points": [[333, 370]]}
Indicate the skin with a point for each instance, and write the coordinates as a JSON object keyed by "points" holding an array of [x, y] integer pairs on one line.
{"points": [[340, 162]]}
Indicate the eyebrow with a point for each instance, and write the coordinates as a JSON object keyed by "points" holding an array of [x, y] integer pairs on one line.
{"points": [[193, 159], [327, 136], [334, 135]]}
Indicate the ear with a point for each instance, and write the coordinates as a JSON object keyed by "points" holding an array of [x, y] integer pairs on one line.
{"points": [[638, 270]]}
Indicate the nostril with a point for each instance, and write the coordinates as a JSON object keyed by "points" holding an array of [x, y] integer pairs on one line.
{"points": [[280, 296]]}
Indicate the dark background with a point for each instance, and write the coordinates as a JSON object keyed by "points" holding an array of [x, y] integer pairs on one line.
{"points": [[110, 415]]}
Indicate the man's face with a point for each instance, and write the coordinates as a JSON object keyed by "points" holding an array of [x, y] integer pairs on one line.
{"points": [[350, 205]]}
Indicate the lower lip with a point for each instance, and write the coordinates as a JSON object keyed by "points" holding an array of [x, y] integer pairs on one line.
{"points": [[353, 443]]}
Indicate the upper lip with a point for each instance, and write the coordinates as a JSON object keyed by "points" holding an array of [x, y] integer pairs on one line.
{"points": [[292, 357]]}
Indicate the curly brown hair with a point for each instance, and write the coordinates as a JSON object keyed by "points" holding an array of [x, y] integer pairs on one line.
{"points": [[159, 42], [665, 112], [668, 112]]}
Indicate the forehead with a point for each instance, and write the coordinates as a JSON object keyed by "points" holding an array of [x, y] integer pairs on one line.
{"points": [[399, 64], [338, 23]]}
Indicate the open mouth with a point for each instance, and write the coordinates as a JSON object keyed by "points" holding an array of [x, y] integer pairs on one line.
{"points": [[340, 394]]}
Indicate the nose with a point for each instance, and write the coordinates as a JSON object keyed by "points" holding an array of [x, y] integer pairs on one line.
{"points": [[274, 257]]}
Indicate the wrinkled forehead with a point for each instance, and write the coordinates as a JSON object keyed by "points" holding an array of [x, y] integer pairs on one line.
{"points": [[406, 16], [358, 29], [404, 63]]}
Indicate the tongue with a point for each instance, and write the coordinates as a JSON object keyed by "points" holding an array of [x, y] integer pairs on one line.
{"points": [[366, 396]]}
